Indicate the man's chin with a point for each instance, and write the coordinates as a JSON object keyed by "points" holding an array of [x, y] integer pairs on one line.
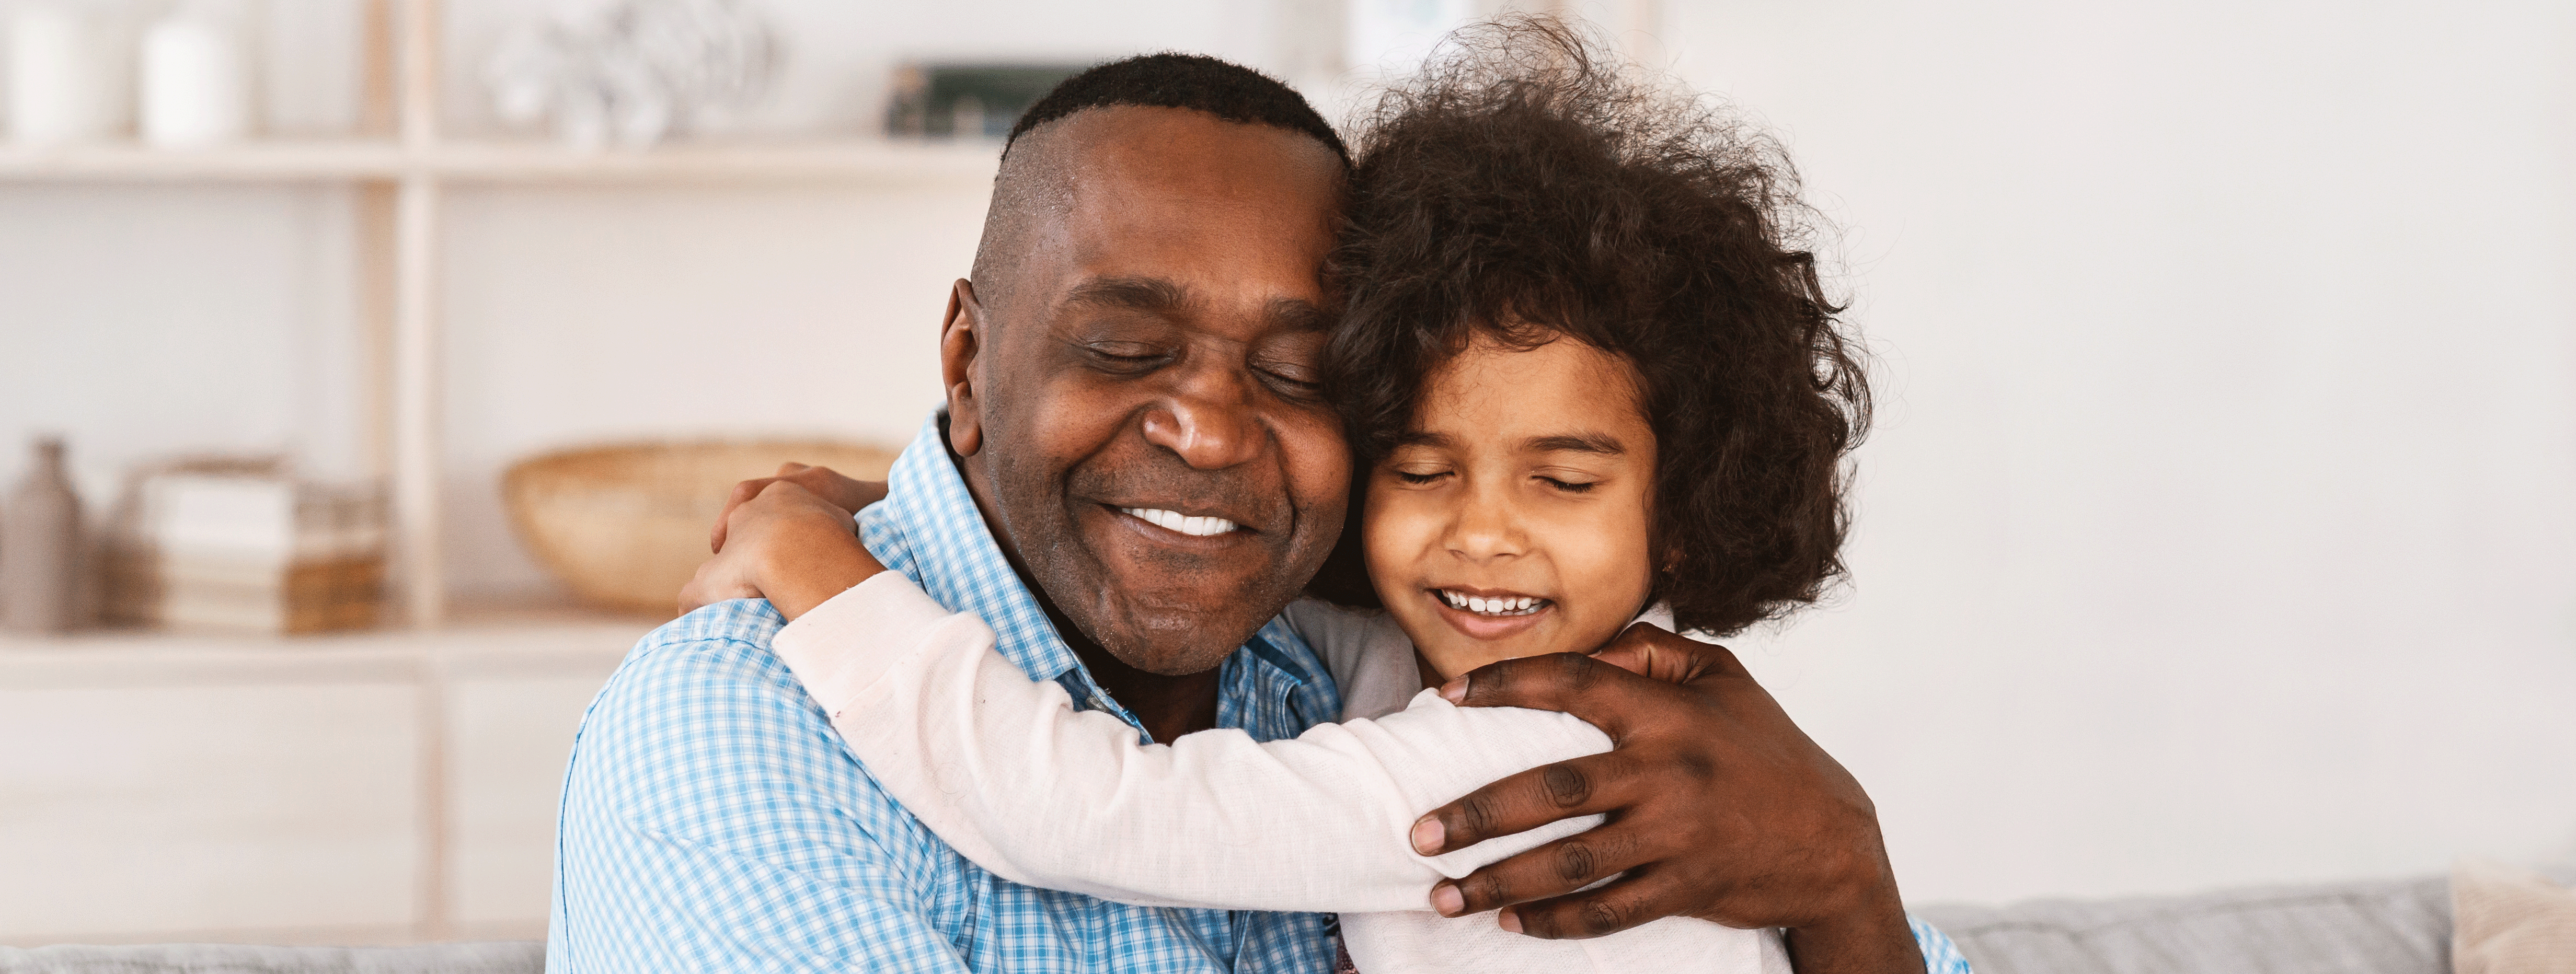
{"points": [[1171, 638]]}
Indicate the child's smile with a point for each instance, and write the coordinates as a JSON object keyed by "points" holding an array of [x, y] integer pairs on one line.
{"points": [[1513, 518], [1490, 615]]}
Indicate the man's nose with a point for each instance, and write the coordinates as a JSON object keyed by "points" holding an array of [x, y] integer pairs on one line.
{"points": [[1209, 420], [1485, 526]]}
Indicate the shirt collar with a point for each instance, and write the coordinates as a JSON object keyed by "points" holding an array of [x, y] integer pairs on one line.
{"points": [[929, 529]]}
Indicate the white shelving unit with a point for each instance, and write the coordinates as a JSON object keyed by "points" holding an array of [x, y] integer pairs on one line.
{"points": [[391, 786], [402, 173], [450, 833]]}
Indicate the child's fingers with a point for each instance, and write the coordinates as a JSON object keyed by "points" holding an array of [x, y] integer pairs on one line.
{"points": [[742, 492]]}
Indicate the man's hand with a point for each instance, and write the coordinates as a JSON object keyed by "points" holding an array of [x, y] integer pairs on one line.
{"points": [[1719, 808], [823, 482], [785, 544]]}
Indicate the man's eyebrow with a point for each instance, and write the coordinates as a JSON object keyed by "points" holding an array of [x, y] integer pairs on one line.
{"points": [[1601, 443], [1151, 294], [1298, 314]]}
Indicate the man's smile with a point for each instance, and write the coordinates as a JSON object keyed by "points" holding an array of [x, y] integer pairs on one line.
{"points": [[1196, 526]]}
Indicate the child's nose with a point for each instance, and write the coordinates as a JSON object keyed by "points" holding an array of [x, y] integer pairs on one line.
{"points": [[1485, 528]]}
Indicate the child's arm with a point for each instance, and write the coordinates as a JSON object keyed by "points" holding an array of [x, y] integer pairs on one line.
{"points": [[1011, 776], [780, 540]]}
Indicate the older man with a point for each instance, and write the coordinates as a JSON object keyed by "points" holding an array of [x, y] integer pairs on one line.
{"points": [[1140, 332]]}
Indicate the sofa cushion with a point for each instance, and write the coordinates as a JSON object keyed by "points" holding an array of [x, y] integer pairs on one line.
{"points": [[507, 957], [2510, 921], [2384, 927]]}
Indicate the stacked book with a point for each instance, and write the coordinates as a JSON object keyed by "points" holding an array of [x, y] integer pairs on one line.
{"points": [[251, 553]]}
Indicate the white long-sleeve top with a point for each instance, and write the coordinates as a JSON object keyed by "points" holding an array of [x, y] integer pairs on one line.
{"points": [[1008, 773]]}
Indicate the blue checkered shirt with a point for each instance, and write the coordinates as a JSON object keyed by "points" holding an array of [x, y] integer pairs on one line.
{"points": [[713, 821]]}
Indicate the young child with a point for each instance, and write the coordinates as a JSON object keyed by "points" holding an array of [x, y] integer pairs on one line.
{"points": [[1591, 382]]}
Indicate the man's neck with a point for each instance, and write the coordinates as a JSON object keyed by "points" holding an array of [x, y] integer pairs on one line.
{"points": [[1168, 706]]}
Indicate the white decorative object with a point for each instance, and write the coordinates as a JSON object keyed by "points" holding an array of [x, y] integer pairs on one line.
{"points": [[65, 76], [196, 80], [635, 71]]}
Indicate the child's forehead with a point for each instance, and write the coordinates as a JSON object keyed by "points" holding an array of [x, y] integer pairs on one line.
{"points": [[1496, 371], [1495, 388]]}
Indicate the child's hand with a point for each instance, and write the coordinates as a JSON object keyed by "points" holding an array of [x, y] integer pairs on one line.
{"points": [[823, 482], [784, 544]]}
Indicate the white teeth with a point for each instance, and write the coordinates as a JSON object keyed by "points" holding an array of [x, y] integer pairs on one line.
{"points": [[1516, 605], [1196, 527]]}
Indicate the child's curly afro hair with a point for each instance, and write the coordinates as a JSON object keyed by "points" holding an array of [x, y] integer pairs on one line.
{"points": [[1522, 187]]}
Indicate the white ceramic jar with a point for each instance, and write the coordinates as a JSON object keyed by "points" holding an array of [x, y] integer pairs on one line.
{"points": [[65, 75], [196, 81]]}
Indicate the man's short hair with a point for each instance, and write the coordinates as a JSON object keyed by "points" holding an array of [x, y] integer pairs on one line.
{"points": [[1195, 81], [1223, 89]]}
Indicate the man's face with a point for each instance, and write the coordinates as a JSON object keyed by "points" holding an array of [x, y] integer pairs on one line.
{"points": [[1140, 412]]}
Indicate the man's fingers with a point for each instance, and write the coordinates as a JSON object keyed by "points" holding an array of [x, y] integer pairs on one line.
{"points": [[1651, 652], [1635, 899], [1602, 694], [1587, 785], [1554, 869]]}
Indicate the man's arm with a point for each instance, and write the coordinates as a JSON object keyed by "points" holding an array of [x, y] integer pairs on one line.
{"points": [[711, 822], [1720, 808]]}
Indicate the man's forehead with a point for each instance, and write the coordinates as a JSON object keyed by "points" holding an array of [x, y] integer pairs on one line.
{"points": [[1134, 154], [1176, 210]]}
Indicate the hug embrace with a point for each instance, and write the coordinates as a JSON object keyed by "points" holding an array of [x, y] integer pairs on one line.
{"points": [[1291, 578]]}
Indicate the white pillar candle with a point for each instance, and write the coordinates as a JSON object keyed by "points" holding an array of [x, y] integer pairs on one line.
{"points": [[196, 82], [59, 85]]}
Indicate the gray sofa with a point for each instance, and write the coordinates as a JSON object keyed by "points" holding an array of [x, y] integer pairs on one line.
{"points": [[2377, 927]]}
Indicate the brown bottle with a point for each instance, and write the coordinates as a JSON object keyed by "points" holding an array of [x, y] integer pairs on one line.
{"points": [[40, 548]]}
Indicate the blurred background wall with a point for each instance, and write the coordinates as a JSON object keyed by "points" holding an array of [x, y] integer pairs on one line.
{"points": [[2216, 529]]}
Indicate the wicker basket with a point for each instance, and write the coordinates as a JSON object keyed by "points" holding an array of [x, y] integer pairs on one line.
{"points": [[626, 525]]}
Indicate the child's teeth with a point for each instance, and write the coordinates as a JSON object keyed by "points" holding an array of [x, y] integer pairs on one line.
{"points": [[1515, 605]]}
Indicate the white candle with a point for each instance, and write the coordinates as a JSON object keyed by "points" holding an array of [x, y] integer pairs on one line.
{"points": [[196, 82], [59, 85]]}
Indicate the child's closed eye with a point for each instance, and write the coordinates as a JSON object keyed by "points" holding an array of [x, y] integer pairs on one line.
{"points": [[1419, 479], [1569, 486]]}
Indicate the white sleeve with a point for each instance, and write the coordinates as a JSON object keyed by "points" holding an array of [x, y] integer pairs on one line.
{"points": [[1012, 777]]}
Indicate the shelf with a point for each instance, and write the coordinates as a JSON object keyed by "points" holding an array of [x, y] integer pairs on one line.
{"points": [[476, 641], [857, 160], [277, 161]]}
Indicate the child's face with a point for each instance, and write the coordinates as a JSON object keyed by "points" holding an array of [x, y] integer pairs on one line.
{"points": [[1513, 521]]}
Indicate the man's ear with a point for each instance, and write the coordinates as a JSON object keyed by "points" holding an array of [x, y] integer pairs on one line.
{"points": [[961, 335]]}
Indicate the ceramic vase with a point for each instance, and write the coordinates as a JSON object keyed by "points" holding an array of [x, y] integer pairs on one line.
{"points": [[40, 548]]}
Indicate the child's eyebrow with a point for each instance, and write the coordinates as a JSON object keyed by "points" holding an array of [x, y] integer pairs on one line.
{"points": [[1601, 443]]}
